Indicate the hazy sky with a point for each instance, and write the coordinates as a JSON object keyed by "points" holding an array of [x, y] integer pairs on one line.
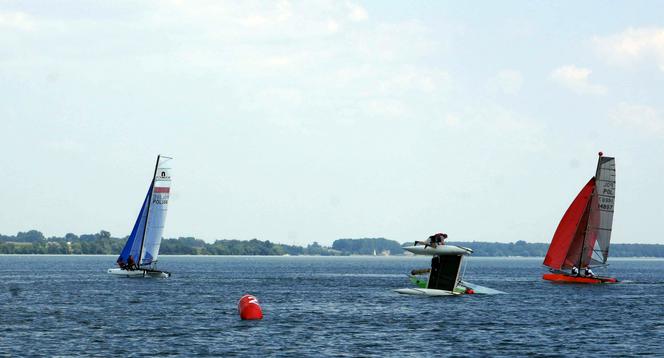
{"points": [[303, 121]]}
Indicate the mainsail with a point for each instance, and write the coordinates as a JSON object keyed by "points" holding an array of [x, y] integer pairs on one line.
{"points": [[584, 233], [600, 220], [145, 238]]}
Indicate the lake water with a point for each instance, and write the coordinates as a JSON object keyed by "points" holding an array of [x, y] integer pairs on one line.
{"points": [[314, 306]]}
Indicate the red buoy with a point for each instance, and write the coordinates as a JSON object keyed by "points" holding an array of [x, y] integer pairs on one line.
{"points": [[249, 308]]}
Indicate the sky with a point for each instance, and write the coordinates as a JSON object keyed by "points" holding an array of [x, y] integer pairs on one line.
{"points": [[311, 121]]}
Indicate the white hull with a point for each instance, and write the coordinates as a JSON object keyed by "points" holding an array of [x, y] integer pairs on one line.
{"points": [[425, 292], [138, 273], [439, 250]]}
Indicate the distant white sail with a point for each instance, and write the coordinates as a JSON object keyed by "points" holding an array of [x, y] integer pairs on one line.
{"points": [[156, 213]]}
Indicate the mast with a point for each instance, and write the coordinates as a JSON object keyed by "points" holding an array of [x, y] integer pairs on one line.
{"points": [[147, 212]]}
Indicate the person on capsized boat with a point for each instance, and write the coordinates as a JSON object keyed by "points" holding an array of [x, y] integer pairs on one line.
{"points": [[433, 240], [575, 271], [437, 239]]}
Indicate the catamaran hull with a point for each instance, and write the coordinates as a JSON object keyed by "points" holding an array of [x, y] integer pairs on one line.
{"points": [[139, 273], [440, 250], [426, 292], [562, 278]]}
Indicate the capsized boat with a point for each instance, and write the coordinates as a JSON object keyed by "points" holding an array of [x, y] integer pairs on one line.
{"points": [[443, 278], [583, 236], [139, 256]]}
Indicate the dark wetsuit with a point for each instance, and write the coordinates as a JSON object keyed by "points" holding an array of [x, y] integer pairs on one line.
{"points": [[437, 239], [130, 263]]}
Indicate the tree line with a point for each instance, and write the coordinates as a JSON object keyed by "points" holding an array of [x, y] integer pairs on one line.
{"points": [[102, 243]]}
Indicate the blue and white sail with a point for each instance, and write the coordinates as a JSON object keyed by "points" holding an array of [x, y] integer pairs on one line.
{"points": [[143, 243]]}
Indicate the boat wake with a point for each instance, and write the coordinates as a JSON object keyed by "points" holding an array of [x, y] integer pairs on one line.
{"points": [[653, 283]]}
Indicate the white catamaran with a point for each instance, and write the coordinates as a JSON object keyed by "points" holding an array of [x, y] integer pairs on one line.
{"points": [[139, 255]]}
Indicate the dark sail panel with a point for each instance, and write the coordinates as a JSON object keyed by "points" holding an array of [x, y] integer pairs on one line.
{"points": [[444, 272]]}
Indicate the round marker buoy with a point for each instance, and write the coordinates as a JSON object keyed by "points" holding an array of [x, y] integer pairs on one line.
{"points": [[249, 308]]}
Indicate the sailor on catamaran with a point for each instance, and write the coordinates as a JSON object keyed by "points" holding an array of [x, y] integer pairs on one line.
{"points": [[589, 272], [433, 240], [575, 271], [131, 265]]}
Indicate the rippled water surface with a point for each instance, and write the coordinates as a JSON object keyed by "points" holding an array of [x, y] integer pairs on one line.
{"points": [[67, 305]]}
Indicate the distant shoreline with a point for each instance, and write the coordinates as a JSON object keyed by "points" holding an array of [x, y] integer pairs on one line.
{"points": [[102, 243]]}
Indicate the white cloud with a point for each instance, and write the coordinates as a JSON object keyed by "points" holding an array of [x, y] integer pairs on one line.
{"points": [[632, 46], [506, 81], [576, 79], [17, 21], [254, 21], [394, 42], [356, 12], [639, 117], [385, 108], [413, 80], [332, 26], [451, 120]]}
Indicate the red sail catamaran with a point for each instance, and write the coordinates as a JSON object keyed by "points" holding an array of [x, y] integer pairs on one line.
{"points": [[582, 238]]}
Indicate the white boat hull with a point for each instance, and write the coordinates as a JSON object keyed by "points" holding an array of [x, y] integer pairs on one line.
{"points": [[439, 250], [425, 292], [138, 273]]}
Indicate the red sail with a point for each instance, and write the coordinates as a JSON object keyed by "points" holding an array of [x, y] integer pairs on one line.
{"points": [[576, 248], [569, 234]]}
